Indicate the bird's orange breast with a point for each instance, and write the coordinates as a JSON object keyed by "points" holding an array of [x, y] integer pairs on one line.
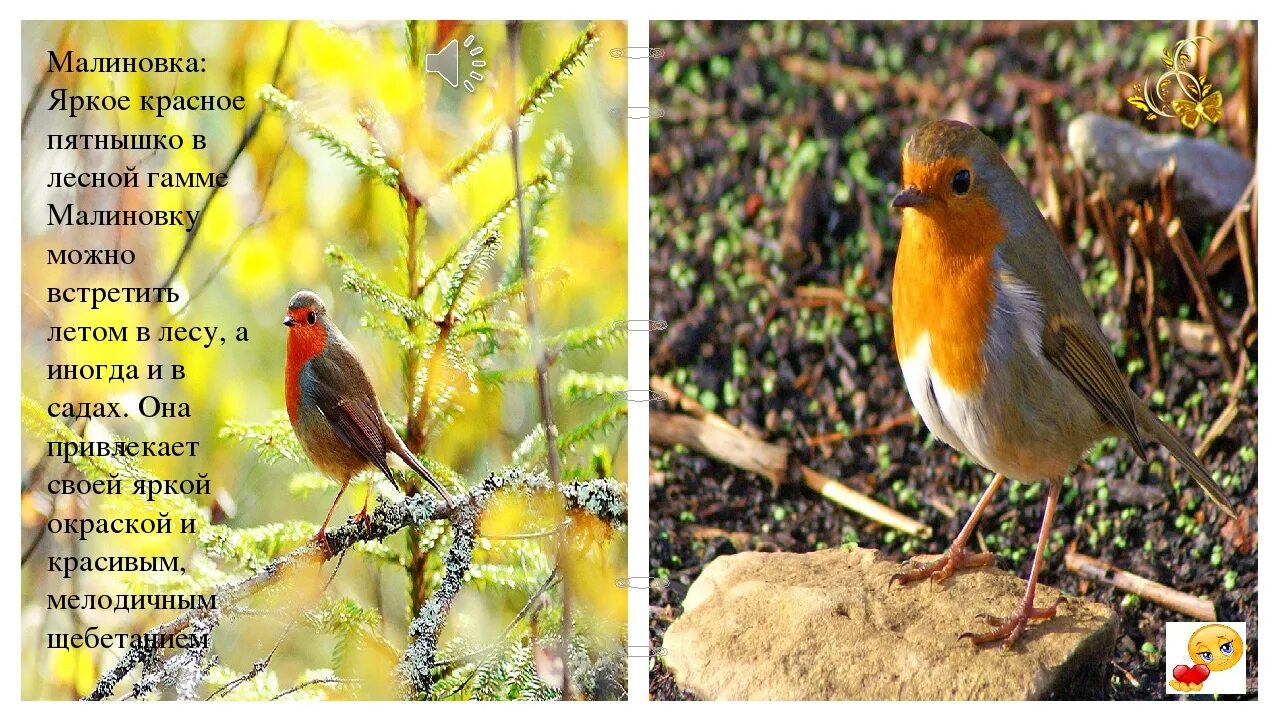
{"points": [[303, 343], [944, 285]]}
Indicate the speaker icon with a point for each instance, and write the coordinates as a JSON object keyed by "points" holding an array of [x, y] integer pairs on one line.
{"points": [[446, 63]]}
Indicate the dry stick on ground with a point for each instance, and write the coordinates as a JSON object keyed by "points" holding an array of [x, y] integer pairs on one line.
{"points": [[879, 428], [1219, 252], [1197, 607], [1193, 267], [1190, 334], [714, 436], [1229, 414], [769, 460], [1200, 285], [810, 296]]}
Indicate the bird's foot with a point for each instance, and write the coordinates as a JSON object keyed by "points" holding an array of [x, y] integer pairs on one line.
{"points": [[322, 539], [944, 567], [362, 518], [1009, 629]]}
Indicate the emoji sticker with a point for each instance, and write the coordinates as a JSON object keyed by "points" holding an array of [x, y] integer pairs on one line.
{"points": [[1213, 651]]}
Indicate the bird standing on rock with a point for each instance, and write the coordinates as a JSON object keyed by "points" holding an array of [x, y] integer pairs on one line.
{"points": [[1002, 355], [331, 404]]}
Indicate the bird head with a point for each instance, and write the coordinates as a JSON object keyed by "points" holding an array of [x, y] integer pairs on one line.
{"points": [[308, 322], [954, 183]]}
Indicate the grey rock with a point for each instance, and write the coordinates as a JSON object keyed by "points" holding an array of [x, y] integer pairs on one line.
{"points": [[1124, 161]]}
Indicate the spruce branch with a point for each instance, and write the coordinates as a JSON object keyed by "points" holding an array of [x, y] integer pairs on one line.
{"points": [[550, 279], [542, 89], [542, 182], [556, 158], [370, 164], [362, 281], [577, 386], [586, 339]]}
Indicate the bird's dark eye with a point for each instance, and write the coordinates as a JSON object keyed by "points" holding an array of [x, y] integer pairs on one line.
{"points": [[960, 182], [311, 318]]}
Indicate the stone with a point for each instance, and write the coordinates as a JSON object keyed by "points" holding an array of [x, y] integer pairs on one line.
{"points": [[826, 626], [1125, 161]]}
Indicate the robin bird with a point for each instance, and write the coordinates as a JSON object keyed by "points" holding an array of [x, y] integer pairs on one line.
{"points": [[1002, 356], [332, 406]]}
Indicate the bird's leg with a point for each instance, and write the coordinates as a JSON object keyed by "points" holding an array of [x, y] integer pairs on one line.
{"points": [[362, 517], [1010, 628], [956, 556], [320, 536]]}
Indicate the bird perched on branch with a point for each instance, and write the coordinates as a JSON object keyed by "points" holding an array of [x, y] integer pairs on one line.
{"points": [[332, 406], [1002, 355]]}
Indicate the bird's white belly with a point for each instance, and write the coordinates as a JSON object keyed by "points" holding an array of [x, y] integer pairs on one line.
{"points": [[1003, 434], [947, 413]]}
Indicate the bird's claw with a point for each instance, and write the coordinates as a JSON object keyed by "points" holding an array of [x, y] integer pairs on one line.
{"points": [[362, 518], [1009, 629], [942, 568]]}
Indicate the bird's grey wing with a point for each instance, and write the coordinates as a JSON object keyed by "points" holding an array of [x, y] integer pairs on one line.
{"points": [[1081, 357], [1073, 342], [355, 418], [1071, 339]]}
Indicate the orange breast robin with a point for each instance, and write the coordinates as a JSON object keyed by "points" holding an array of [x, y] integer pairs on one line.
{"points": [[1002, 355], [332, 406]]}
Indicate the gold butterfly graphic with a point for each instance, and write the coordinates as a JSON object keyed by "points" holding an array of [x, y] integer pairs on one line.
{"points": [[1189, 113], [1198, 103]]}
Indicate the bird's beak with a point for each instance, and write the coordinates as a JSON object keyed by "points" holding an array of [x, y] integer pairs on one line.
{"points": [[910, 197], [288, 321]]}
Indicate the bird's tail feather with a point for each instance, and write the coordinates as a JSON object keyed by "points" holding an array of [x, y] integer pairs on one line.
{"points": [[1185, 455], [412, 461]]}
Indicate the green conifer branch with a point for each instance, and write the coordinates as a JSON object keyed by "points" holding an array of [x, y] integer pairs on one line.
{"points": [[370, 164], [540, 91]]}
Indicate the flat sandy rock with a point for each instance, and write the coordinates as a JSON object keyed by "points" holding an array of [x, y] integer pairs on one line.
{"points": [[826, 626]]}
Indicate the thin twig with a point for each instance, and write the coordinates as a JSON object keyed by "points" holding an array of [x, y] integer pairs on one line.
{"points": [[258, 220], [1200, 287], [385, 520], [1215, 256], [249, 133], [265, 661], [524, 613], [1229, 414], [879, 428], [531, 319], [531, 535], [316, 681]]}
